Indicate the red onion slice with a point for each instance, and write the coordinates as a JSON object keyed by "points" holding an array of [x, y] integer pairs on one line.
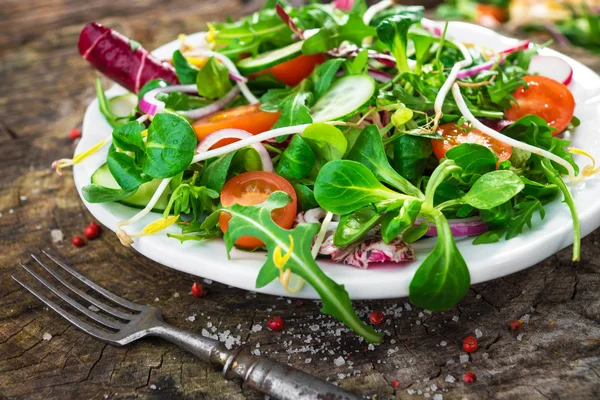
{"points": [[459, 227], [466, 73], [285, 17], [213, 138], [380, 76]]}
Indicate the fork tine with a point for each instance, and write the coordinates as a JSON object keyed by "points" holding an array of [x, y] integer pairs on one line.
{"points": [[95, 332], [96, 317], [109, 295], [96, 302]]}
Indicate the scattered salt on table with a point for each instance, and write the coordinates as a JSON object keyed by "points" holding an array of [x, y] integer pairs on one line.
{"points": [[339, 361], [478, 333], [47, 336], [450, 379]]}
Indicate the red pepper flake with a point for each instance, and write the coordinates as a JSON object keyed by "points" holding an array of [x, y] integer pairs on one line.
{"points": [[74, 134], [395, 384], [376, 317], [78, 241], [470, 344], [92, 231], [299, 302], [198, 290], [469, 377], [275, 324], [516, 325]]}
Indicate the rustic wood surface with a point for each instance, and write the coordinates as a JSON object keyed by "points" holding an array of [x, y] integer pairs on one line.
{"points": [[45, 89]]}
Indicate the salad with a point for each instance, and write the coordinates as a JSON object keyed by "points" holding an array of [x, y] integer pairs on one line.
{"points": [[340, 132]]}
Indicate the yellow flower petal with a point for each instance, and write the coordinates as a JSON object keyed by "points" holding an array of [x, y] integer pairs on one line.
{"points": [[280, 260]]}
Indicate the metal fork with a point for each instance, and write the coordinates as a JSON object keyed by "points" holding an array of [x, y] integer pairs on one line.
{"points": [[268, 376]]}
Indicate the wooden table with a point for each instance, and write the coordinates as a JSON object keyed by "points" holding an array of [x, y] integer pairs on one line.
{"points": [[46, 87]]}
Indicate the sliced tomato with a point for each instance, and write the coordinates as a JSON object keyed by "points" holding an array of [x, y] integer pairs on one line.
{"points": [[249, 118], [546, 98], [453, 136], [292, 72], [491, 12], [254, 188]]}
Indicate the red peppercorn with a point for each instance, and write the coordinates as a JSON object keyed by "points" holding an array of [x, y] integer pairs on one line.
{"points": [[395, 384], [198, 290], [376, 317], [92, 231], [516, 325], [299, 302], [469, 377], [78, 241], [74, 134], [275, 324], [470, 344]]}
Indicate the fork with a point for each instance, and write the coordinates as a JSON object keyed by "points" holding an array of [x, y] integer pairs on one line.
{"points": [[266, 375]]}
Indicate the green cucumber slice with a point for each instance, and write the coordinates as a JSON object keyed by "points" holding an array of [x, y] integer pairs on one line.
{"points": [[139, 199], [269, 59], [343, 98]]}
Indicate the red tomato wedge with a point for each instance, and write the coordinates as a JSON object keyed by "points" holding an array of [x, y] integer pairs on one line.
{"points": [[249, 118], [491, 11], [292, 72], [453, 136], [254, 188], [546, 98]]}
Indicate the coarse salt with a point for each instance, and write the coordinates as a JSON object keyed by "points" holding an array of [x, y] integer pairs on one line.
{"points": [[478, 333], [56, 235], [455, 318], [464, 358], [339, 361], [47, 336], [443, 343], [256, 328], [450, 379]]}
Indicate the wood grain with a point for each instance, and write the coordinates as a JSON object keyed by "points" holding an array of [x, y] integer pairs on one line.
{"points": [[45, 89]]}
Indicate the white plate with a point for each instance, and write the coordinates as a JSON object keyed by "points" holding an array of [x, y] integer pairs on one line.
{"points": [[209, 259]]}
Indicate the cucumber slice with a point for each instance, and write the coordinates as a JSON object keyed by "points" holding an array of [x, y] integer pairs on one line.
{"points": [[139, 199], [269, 59], [343, 98]]}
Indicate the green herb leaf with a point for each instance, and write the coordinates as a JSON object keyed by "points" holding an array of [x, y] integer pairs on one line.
{"points": [[491, 236], [410, 156], [325, 74], [326, 141], [296, 161], [493, 189], [345, 186], [306, 197], [498, 216], [473, 158], [291, 249], [395, 222], [393, 33], [443, 278], [128, 136], [93, 193], [353, 226], [215, 174], [186, 72], [213, 80], [523, 214], [169, 147], [153, 84], [331, 36], [133, 45], [126, 173], [358, 65]]}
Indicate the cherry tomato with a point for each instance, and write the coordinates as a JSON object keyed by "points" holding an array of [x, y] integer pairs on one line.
{"points": [[292, 72], [546, 98], [470, 344], [453, 136], [487, 12], [254, 188], [249, 118]]}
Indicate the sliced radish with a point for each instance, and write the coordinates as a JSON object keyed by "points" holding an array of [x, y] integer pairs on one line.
{"points": [[551, 67]]}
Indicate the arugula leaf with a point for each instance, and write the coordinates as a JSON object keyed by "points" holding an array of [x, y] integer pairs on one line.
{"points": [[291, 249], [498, 216], [126, 173], [393, 33], [443, 278], [324, 75], [215, 173], [326, 141], [213, 79], [353, 226], [493, 189], [369, 151], [297, 160], [523, 213], [491, 236], [345, 186], [410, 156], [185, 71], [189, 198], [331, 36], [93, 193], [169, 147]]}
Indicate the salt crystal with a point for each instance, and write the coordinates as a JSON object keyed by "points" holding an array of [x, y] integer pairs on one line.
{"points": [[443, 343], [23, 198], [407, 306], [525, 318], [191, 318], [257, 345], [157, 299], [418, 322], [485, 356], [455, 318], [464, 358], [371, 347], [307, 361], [11, 211], [450, 379], [520, 337], [257, 328], [392, 341], [438, 397], [176, 294], [93, 308], [47, 336], [339, 361], [256, 352], [411, 391], [421, 315], [56, 235], [478, 333], [433, 387], [478, 296], [314, 328], [341, 376], [153, 387], [105, 396]]}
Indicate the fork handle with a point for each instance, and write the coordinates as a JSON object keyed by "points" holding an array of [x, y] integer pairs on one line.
{"points": [[263, 374]]}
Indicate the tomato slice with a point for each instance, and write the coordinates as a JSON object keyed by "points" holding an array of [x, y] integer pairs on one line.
{"points": [[292, 72], [249, 118], [490, 11], [252, 188], [453, 136], [546, 98]]}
